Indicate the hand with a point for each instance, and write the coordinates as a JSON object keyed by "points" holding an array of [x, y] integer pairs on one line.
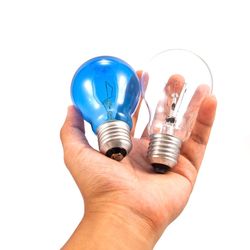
{"points": [[127, 205]]}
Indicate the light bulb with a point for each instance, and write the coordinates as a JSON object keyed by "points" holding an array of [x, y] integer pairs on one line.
{"points": [[106, 90], [177, 82]]}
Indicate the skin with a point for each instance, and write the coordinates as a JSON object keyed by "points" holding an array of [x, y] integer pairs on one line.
{"points": [[127, 205]]}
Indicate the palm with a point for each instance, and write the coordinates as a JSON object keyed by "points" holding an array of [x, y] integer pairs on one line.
{"points": [[159, 198], [165, 195]]}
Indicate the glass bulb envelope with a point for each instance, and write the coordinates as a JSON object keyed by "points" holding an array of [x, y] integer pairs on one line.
{"points": [[106, 90], [176, 82]]}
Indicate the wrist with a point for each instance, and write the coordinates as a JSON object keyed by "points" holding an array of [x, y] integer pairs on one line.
{"points": [[112, 227]]}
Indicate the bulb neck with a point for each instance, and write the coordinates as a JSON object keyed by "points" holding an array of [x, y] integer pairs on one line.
{"points": [[163, 151], [114, 139]]}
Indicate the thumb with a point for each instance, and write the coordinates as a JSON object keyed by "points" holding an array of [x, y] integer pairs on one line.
{"points": [[73, 135], [73, 130]]}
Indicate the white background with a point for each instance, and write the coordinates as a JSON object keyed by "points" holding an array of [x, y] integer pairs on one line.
{"points": [[42, 43]]}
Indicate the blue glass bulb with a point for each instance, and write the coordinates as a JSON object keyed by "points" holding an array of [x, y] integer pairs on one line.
{"points": [[106, 90]]}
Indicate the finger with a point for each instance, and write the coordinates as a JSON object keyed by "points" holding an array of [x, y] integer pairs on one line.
{"points": [[73, 130], [189, 118], [145, 133], [136, 114], [200, 93], [174, 85], [73, 138], [194, 148]]}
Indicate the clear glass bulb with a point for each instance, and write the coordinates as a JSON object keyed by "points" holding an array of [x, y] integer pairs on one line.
{"points": [[106, 90], [176, 82]]}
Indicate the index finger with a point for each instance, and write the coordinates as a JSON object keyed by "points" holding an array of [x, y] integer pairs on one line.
{"points": [[194, 148]]}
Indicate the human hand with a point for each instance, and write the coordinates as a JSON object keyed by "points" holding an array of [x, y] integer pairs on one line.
{"points": [[127, 205]]}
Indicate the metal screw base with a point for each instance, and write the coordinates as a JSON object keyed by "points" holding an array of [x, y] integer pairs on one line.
{"points": [[114, 139], [163, 151]]}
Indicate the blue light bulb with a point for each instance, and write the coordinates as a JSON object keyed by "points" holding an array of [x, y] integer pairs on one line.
{"points": [[106, 90]]}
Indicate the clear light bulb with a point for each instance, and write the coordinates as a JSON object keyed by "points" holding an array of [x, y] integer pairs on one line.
{"points": [[106, 90], [176, 82]]}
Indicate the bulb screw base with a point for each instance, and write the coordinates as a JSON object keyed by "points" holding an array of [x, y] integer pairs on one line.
{"points": [[163, 152], [114, 139]]}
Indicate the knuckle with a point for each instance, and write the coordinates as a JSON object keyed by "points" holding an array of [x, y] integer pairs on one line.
{"points": [[198, 139], [62, 132]]}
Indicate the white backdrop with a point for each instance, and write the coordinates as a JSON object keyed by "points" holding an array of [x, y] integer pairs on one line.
{"points": [[42, 43]]}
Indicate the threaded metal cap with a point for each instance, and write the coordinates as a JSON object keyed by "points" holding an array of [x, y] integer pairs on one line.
{"points": [[114, 139], [163, 151]]}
